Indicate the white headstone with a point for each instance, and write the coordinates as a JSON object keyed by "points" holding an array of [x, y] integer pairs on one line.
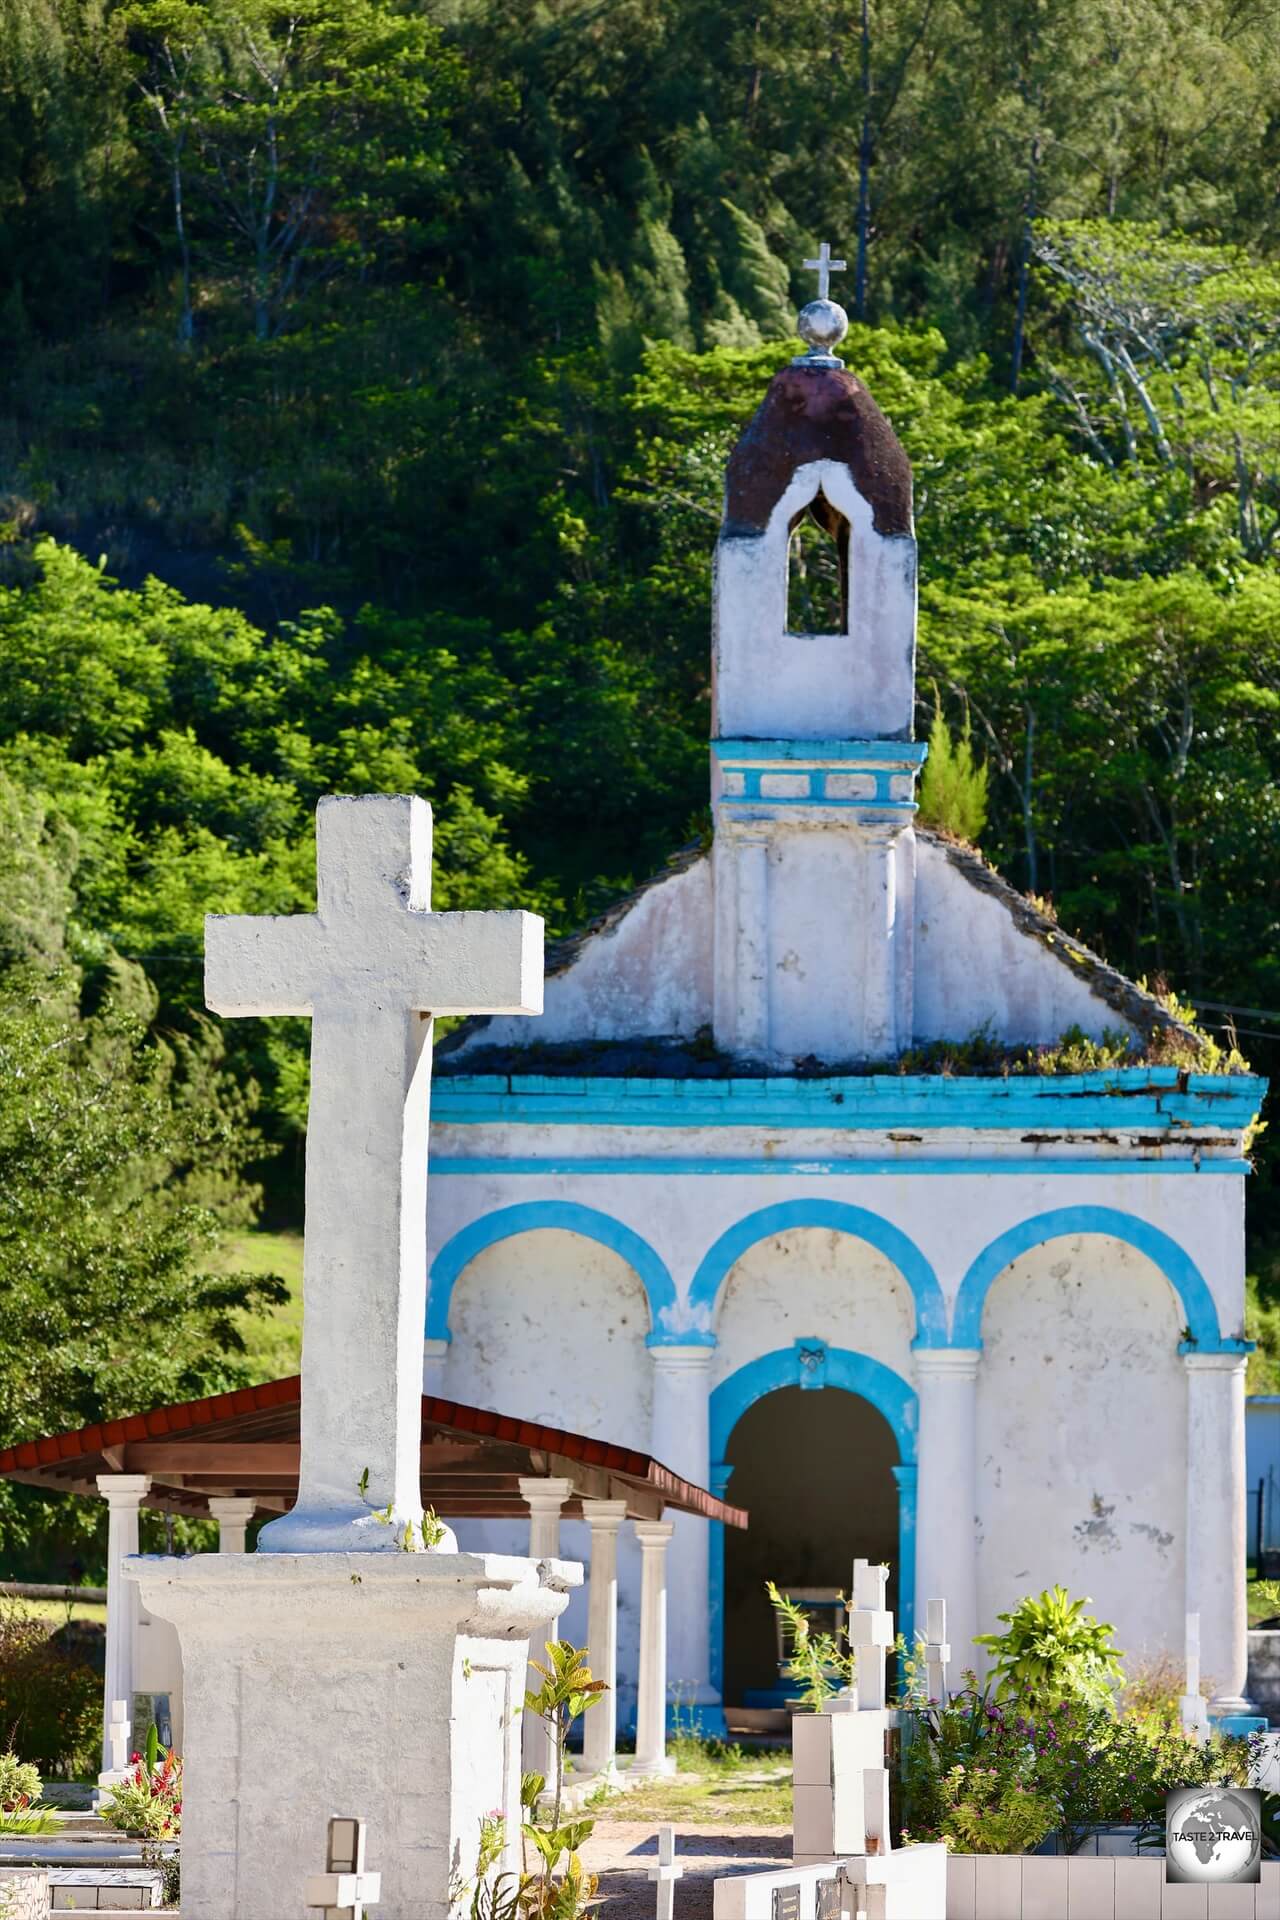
{"points": [[370, 967], [1193, 1707], [937, 1652]]}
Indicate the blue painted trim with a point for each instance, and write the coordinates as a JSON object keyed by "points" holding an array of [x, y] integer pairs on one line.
{"points": [[525, 1217], [1223, 1346], [837, 1216], [956, 1168], [900, 752], [758, 800], [1174, 1262], [1137, 1099], [847, 1372]]}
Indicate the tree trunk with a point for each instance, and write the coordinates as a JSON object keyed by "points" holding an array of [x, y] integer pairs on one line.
{"points": [[1024, 263], [864, 173]]}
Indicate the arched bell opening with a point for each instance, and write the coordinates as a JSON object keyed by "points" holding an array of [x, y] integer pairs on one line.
{"points": [[818, 569]]}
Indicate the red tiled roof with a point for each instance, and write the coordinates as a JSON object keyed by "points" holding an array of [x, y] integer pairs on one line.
{"points": [[221, 1410]]}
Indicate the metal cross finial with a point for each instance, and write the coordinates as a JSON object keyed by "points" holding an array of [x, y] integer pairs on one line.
{"points": [[824, 266]]}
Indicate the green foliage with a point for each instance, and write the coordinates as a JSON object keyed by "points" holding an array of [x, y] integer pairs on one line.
{"points": [[149, 1802], [1052, 1650], [954, 786], [50, 1706], [820, 1663], [993, 1775], [19, 1783]]}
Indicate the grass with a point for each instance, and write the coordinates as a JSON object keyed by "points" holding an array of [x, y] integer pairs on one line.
{"points": [[56, 1613], [274, 1340], [715, 1785]]}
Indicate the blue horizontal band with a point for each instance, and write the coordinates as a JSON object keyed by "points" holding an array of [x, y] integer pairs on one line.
{"points": [[955, 1169], [898, 752]]}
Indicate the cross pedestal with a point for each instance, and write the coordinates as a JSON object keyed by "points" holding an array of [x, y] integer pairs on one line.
{"points": [[388, 1682]]}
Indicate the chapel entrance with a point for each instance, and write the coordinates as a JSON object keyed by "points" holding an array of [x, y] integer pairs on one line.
{"points": [[815, 1471]]}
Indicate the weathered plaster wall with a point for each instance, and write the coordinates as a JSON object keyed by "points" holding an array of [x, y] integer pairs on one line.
{"points": [[649, 972], [808, 1282], [973, 967], [549, 1326], [1082, 1439]]}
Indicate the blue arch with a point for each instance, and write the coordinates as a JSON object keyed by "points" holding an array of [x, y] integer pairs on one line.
{"points": [[1179, 1269], [524, 1218], [839, 1215], [856, 1373]]}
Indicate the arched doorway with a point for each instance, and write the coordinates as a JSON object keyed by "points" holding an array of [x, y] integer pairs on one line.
{"points": [[831, 1451], [815, 1472]]}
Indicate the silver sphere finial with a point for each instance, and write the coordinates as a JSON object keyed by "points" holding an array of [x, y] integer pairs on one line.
{"points": [[823, 324]]}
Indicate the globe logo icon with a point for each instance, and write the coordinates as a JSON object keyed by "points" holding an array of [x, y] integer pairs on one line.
{"points": [[1213, 1835]]}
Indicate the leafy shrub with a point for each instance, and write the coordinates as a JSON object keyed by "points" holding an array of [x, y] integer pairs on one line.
{"points": [[19, 1783], [50, 1707], [818, 1662], [149, 1801], [1053, 1650], [979, 1771]]}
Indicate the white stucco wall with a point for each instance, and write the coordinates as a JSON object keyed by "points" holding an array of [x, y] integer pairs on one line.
{"points": [[551, 1327], [809, 1282], [973, 966], [1082, 1439], [649, 973]]}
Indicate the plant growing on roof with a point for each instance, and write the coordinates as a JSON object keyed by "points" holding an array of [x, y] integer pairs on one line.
{"points": [[820, 1662], [1052, 1650]]}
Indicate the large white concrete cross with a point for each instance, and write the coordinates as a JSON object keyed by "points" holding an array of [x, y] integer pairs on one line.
{"points": [[370, 967]]}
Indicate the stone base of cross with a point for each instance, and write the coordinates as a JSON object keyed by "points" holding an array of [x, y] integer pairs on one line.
{"points": [[666, 1873]]}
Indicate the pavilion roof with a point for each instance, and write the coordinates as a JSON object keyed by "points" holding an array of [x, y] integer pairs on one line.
{"points": [[246, 1443]]}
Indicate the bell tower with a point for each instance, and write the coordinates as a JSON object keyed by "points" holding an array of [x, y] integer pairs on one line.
{"points": [[813, 763]]}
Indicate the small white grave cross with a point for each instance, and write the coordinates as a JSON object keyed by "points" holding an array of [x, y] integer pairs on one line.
{"points": [[936, 1650], [345, 1888], [370, 966], [666, 1873], [824, 266], [1194, 1708], [870, 1631]]}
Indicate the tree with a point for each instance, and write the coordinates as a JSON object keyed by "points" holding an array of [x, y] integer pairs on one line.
{"points": [[292, 132]]}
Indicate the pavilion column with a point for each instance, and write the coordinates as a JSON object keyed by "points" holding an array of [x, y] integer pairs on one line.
{"points": [[1215, 1545], [600, 1724], [651, 1701], [682, 1441], [544, 1499], [124, 1494], [233, 1516], [947, 1492]]}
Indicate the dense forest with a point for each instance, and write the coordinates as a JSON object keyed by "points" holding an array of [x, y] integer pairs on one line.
{"points": [[369, 372]]}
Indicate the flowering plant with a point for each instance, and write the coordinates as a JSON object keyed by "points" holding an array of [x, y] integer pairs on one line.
{"points": [[148, 1802]]}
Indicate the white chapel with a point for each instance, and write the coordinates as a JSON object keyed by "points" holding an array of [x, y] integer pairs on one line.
{"points": [[986, 1329]]}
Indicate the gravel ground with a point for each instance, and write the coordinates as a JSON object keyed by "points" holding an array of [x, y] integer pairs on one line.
{"points": [[620, 1851]]}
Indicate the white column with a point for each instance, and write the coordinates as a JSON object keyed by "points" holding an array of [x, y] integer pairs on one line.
{"points": [[879, 955], [600, 1724], [651, 1698], [946, 1493], [123, 1493], [1215, 1551], [682, 1441], [435, 1353], [233, 1516], [544, 1499]]}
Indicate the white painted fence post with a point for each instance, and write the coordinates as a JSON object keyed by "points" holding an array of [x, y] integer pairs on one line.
{"points": [[544, 1499], [124, 1494], [651, 1696]]}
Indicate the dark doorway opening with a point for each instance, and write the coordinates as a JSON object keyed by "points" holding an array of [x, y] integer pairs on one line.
{"points": [[815, 1471]]}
